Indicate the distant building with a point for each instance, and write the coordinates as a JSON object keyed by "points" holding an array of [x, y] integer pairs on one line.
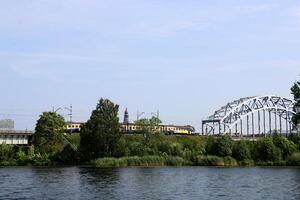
{"points": [[126, 117]]}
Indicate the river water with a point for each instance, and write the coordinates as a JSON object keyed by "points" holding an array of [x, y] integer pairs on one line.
{"points": [[149, 183]]}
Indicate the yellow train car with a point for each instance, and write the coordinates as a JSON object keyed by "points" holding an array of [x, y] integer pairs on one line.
{"points": [[132, 128], [74, 127]]}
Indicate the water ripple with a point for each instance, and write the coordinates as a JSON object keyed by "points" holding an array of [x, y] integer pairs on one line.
{"points": [[149, 183]]}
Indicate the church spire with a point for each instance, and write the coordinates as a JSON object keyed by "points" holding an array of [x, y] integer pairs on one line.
{"points": [[126, 117]]}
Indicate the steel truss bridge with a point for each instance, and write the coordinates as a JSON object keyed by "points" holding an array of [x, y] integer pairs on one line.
{"points": [[252, 116]]}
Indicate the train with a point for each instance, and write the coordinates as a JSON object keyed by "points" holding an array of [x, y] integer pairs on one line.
{"points": [[132, 128]]}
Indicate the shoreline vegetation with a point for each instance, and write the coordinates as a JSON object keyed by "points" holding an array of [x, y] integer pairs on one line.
{"points": [[101, 144], [160, 150]]}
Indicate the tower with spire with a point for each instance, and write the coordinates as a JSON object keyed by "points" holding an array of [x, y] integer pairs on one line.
{"points": [[126, 117]]}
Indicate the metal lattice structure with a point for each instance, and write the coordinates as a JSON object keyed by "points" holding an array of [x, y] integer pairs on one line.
{"points": [[252, 116]]}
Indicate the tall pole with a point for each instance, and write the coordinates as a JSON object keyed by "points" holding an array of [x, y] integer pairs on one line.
{"points": [[286, 124], [71, 113], [253, 125], [236, 126], [290, 124], [280, 124], [70, 109], [247, 125], [258, 122], [264, 112], [276, 120], [241, 128], [270, 122]]}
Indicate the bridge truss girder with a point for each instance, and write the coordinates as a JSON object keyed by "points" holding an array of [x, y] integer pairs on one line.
{"points": [[264, 112]]}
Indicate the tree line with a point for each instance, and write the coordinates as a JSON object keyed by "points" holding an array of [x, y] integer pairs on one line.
{"points": [[100, 143]]}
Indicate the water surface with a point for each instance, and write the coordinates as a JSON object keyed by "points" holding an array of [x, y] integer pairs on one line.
{"points": [[149, 183]]}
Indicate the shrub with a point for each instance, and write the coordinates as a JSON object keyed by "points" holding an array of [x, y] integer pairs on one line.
{"points": [[285, 146], [68, 155], [295, 138], [39, 159], [130, 161], [109, 162], [229, 161], [223, 146], [22, 158], [74, 139], [175, 161], [266, 150], [6, 152], [241, 151], [193, 143], [246, 162], [122, 148], [294, 159], [209, 161], [137, 149], [210, 146]]}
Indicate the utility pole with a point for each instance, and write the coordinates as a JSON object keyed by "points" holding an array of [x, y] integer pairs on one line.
{"points": [[70, 109], [55, 110], [155, 114], [139, 115]]}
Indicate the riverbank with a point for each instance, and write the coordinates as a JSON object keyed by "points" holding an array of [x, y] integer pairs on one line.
{"points": [[152, 161], [160, 150]]}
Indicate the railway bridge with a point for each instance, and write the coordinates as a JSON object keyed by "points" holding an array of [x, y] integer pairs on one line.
{"points": [[250, 116], [15, 137]]}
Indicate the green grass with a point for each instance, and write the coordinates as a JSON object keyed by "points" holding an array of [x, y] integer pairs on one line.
{"points": [[145, 161]]}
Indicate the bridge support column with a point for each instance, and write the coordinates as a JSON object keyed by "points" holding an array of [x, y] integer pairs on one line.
{"points": [[280, 124], [258, 122], [276, 120], [270, 122], [286, 124], [241, 128], [247, 125], [253, 135], [264, 112]]}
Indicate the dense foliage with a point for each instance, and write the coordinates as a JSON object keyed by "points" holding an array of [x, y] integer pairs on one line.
{"points": [[49, 132], [101, 144], [136, 150], [101, 133], [296, 92]]}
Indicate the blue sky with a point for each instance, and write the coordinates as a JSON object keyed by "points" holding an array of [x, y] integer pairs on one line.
{"points": [[185, 58]]}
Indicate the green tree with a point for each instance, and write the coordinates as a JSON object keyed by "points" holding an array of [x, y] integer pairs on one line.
{"points": [[295, 138], [296, 92], [241, 150], [101, 133], [148, 126], [285, 146], [6, 152], [265, 150], [49, 130], [223, 146]]}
